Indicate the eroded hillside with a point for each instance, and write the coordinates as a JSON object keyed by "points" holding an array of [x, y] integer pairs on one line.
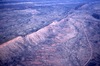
{"points": [[73, 40]]}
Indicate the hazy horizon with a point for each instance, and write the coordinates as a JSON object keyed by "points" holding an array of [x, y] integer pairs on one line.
{"points": [[48, 0]]}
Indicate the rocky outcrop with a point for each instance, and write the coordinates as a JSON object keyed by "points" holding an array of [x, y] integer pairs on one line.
{"points": [[72, 41]]}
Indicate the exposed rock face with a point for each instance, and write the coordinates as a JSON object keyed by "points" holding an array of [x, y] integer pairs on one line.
{"points": [[72, 41]]}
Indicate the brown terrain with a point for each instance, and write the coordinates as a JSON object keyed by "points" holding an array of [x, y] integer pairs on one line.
{"points": [[72, 41]]}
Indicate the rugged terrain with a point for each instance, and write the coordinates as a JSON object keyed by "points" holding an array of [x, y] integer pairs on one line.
{"points": [[50, 35]]}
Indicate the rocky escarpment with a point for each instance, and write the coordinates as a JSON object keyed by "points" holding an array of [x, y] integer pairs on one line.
{"points": [[72, 41]]}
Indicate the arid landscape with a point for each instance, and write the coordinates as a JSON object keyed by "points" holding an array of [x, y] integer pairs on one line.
{"points": [[50, 34]]}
